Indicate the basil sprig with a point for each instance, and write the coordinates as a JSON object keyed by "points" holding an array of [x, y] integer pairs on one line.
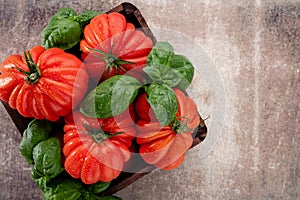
{"points": [[65, 28], [166, 67], [37, 131], [40, 150], [166, 70]]}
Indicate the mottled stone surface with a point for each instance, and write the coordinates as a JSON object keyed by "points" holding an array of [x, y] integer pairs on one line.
{"points": [[254, 47]]}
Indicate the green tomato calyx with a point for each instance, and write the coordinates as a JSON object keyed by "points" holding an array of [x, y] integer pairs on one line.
{"points": [[180, 126], [111, 61], [34, 73]]}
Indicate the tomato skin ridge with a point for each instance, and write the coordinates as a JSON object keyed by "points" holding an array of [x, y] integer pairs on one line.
{"points": [[153, 136], [73, 163], [116, 23], [89, 36], [90, 165], [175, 164]]}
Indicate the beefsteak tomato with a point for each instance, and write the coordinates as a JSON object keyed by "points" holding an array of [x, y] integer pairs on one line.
{"points": [[165, 147], [44, 84], [96, 149], [116, 47]]}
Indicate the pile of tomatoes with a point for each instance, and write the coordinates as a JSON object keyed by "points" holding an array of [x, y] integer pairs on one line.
{"points": [[152, 111]]}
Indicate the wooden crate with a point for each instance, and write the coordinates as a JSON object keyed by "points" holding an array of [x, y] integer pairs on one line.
{"points": [[134, 16]]}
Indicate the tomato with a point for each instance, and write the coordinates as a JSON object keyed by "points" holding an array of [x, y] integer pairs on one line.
{"points": [[165, 147], [145, 112], [115, 47], [43, 84], [96, 149]]}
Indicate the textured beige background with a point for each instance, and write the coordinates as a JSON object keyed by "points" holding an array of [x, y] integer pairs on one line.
{"points": [[255, 48]]}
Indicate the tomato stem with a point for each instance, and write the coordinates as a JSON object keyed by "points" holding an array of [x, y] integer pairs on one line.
{"points": [[34, 73], [180, 126], [98, 135], [111, 60], [21, 70]]}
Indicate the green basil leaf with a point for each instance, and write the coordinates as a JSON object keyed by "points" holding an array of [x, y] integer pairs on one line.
{"points": [[166, 67], [63, 33], [89, 107], [37, 131], [161, 54], [98, 187], [63, 13], [111, 97], [185, 69], [84, 18], [47, 158], [35, 173], [163, 101], [90, 196], [65, 28], [67, 189], [42, 182], [154, 73], [163, 75]]}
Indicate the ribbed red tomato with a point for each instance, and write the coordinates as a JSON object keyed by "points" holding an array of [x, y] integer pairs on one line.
{"points": [[115, 47], [44, 84], [96, 149], [165, 147]]}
